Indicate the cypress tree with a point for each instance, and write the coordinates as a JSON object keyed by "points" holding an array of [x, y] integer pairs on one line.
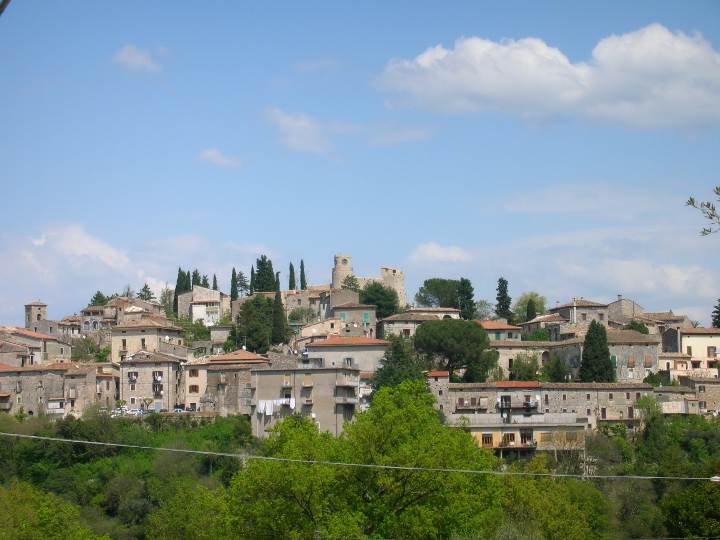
{"points": [[502, 308], [291, 279], [466, 299], [596, 365], [277, 281], [716, 315], [279, 321], [188, 282], [233, 285], [179, 288], [530, 311], [252, 279], [265, 278], [204, 282], [303, 281], [242, 284], [215, 287], [196, 279]]}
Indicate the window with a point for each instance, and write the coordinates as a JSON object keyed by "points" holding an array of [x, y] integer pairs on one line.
{"points": [[487, 439], [701, 388], [587, 397], [473, 402], [348, 361], [689, 350], [107, 385], [587, 412], [132, 386], [701, 404], [630, 361], [711, 352], [564, 397], [547, 399], [366, 317], [547, 410], [132, 401], [627, 395], [142, 343], [497, 335], [613, 360], [564, 410], [637, 395], [461, 402], [648, 361], [194, 389], [332, 326], [509, 335], [545, 437], [601, 316], [62, 350], [571, 436], [610, 396], [631, 412], [193, 373], [124, 344], [406, 332], [583, 316]]}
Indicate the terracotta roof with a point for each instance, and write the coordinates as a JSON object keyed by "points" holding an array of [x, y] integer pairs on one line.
{"points": [[148, 322], [518, 344], [438, 373], [630, 336], [24, 332], [663, 315], [700, 331], [7, 346], [410, 317], [673, 390], [550, 317], [352, 305], [237, 356], [350, 341], [435, 309], [366, 375], [597, 386], [145, 356], [517, 384], [579, 302], [5, 366], [497, 325], [70, 320]]}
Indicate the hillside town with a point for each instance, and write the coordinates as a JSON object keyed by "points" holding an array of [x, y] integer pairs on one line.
{"points": [[150, 358]]}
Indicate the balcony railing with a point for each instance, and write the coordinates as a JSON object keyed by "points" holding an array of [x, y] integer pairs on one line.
{"points": [[346, 400], [346, 382]]}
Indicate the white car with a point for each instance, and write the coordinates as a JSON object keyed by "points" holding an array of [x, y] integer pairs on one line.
{"points": [[135, 412]]}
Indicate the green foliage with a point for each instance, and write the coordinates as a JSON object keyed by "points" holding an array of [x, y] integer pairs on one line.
{"points": [[539, 334], [502, 307], [466, 299], [166, 301], [265, 279], [709, 212], [233, 285], [479, 370], [182, 285], [255, 323], [302, 315], [193, 330], [716, 315], [204, 282], [596, 365], [214, 283], [279, 321], [84, 349], [638, 327], [528, 303], [454, 343], [252, 279], [400, 364], [243, 285], [196, 279], [103, 354], [661, 378], [438, 292], [524, 368], [98, 299], [146, 294], [383, 298], [555, 370], [484, 310], [303, 280], [351, 282], [291, 278]]}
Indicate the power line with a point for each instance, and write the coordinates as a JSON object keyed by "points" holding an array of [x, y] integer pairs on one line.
{"points": [[247, 457]]}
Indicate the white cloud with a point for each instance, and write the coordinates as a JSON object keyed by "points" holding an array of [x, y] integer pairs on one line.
{"points": [[216, 157], [135, 59], [647, 78], [74, 242], [432, 252], [299, 131]]}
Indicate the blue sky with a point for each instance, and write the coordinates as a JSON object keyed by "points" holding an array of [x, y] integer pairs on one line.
{"points": [[553, 143]]}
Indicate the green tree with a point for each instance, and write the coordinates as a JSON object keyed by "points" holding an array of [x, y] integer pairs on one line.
{"points": [[214, 283], [351, 282], [180, 287], [401, 363], [302, 315], [716, 315], [291, 278], [204, 282], [196, 278], [252, 279], [524, 368], [103, 354], [477, 371], [638, 327], [438, 292], [233, 285], [242, 284], [167, 297], [596, 365], [265, 278], [539, 334], [484, 310], [522, 306], [303, 280], [466, 299], [502, 307], [277, 281], [455, 343], [84, 349], [385, 299], [709, 212], [146, 294], [555, 370], [279, 321], [98, 299], [255, 323]]}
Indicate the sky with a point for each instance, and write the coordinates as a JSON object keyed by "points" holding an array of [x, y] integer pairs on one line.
{"points": [[552, 143]]}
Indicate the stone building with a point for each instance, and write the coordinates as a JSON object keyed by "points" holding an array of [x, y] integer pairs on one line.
{"points": [[542, 321], [389, 277], [145, 334], [707, 392], [355, 319], [337, 351], [14, 354], [403, 324], [151, 381], [116, 311], [501, 330], [42, 348], [202, 303]]}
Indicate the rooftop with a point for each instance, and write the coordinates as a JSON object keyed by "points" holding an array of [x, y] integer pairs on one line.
{"points": [[355, 305], [150, 357], [700, 331], [435, 309], [237, 356], [37, 303], [349, 341], [408, 316], [24, 332], [579, 302], [630, 337], [148, 322], [549, 317], [497, 325]]}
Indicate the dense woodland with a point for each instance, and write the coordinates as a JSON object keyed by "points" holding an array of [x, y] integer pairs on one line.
{"points": [[61, 490]]}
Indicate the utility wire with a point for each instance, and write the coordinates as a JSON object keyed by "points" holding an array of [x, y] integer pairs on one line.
{"points": [[246, 457]]}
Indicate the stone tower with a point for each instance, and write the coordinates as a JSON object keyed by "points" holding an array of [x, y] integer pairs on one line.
{"points": [[341, 270], [395, 279], [35, 311]]}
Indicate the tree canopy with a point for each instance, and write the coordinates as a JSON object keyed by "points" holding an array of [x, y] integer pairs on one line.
{"points": [[709, 211], [233, 285], [401, 363], [438, 292], [502, 307], [255, 324], [523, 308], [453, 343], [291, 278], [384, 298], [466, 299], [265, 279], [98, 299], [555, 370], [146, 293], [596, 365], [716, 315], [303, 279], [638, 327], [350, 282]]}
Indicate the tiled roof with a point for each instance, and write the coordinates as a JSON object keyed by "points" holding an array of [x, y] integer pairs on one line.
{"points": [[517, 344], [579, 302], [630, 336], [145, 356], [5, 366], [436, 309], [550, 317], [237, 356], [406, 316], [37, 303], [700, 331], [438, 374], [517, 384], [673, 390], [350, 341], [663, 316], [497, 325], [148, 322], [24, 332], [353, 305], [597, 386]]}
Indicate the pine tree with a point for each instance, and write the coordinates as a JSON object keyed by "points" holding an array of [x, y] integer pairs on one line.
{"points": [[277, 281], [204, 282], [303, 281], [252, 279], [233, 285], [98, 299], [242, 284], [214, 286], [596, 365], [502, 308], [265, 278], [466, 299], [279, 320], [188, 281], [196, 279], [146, 294], [530, 311], [291, 279]]}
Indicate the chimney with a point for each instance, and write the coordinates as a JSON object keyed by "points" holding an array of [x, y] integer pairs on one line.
{"points": [[619, 296]]}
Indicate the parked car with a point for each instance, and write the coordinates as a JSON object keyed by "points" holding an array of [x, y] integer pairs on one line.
{"points": [[135, 412], [178, 410]]}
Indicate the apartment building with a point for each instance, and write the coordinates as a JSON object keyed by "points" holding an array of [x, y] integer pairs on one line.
{"points": [[144, 334], [326, 393], [707, 392], [152, 381], [702, 345], [337, 351]]}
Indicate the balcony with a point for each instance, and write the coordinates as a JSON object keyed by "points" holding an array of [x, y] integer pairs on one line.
{"points": [[287, 383], [346, 400], [5, 405], [506, 443], [72, 393], [527, 404], [307, 383], [346, 382], [157, 378]]}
